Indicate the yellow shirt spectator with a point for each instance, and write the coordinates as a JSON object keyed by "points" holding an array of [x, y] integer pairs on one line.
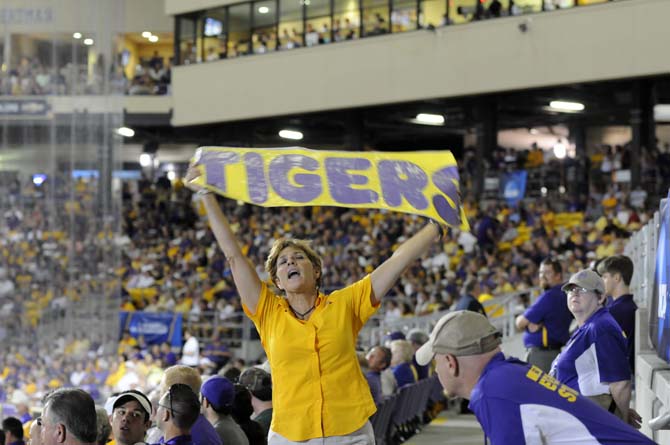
{"points": [[322, 385]]}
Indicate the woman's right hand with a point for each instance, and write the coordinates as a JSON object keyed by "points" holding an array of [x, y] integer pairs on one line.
{"points": [[191, 175]]}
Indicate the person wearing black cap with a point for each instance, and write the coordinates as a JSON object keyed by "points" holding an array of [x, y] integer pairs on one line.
{"points": [[259, 384], [130, 417], [218, 394], [177, 412], [13, 430]]}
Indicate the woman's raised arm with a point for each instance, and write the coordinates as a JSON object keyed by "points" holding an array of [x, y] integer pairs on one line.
{"points": [[246, 279]]}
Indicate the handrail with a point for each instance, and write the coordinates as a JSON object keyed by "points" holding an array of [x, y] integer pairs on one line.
{"points": [[374, 331]]}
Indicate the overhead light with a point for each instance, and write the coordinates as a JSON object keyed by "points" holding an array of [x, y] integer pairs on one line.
{"points": [[88, 42], [560, 150], [561, 189], [662, 113], [543, 190], [290, 134], [561, 105], [146, 34], [126, 132], [39, 178], [172, 175], [534, 131], [430, 119], [263, 10], [76, 35], [153, 39], [145, 159]]}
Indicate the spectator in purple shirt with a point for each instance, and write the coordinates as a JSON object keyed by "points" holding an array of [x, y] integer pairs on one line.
{"points": [[547, 321], [617, 271], [379, 358], [514, 402]]}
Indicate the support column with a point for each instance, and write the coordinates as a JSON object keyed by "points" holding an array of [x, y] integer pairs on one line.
{"points": [[486, 115], [577, 178], [642, 127]]}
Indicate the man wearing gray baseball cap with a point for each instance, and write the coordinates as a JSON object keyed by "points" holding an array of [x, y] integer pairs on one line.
{"points": [[595, 360], [514, 402]]}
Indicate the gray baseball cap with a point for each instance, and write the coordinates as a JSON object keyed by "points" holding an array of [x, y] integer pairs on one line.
{"points": [[587, 279], [459, 333]]}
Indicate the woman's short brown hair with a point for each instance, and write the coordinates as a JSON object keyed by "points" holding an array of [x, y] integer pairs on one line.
{"points": [[304, 245]]}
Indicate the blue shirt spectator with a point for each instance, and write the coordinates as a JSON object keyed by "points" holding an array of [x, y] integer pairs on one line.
{"points": [[551, 311], [530, 406], [404, 374], [594, 357], [623, 311], [375, 382]]}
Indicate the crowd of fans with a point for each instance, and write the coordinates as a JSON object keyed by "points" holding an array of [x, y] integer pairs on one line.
{"points": [[170, 263], [35, 77]]}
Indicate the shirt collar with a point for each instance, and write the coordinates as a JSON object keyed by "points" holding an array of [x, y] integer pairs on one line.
{"points": [[178, 440]]}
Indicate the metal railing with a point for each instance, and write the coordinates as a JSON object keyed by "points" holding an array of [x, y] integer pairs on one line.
{"points": [[508, 305], [239, 333]]}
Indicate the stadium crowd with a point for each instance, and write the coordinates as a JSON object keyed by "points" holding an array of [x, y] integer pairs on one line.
{"points": [[32, 76], [170, 263]]}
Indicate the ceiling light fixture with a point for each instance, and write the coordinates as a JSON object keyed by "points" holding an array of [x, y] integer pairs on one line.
{"points": [[661, 112], [263, 10], [88, 42], [290, 134], [562, 105], [145, 160], [430, 119], [153, 39], [76, 35], [560, 150], [126, 132], [146, 34]]}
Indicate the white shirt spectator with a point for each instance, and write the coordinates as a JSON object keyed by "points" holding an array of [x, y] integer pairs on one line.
{"points": [[467, 240], [191, 352], [77, 377], [389, 383], [637, 198]]}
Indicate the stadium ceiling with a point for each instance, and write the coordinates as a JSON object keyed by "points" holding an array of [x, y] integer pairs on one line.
{"points": [[394, 127]]}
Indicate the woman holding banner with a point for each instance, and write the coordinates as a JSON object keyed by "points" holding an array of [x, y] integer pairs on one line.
{"points": [[309, 337]]}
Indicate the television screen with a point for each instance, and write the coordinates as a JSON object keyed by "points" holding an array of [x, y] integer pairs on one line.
{"points": [[213, 27]]}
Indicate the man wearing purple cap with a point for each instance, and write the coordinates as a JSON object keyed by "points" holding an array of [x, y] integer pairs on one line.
{"points": [[515, 403], [218, 394]]}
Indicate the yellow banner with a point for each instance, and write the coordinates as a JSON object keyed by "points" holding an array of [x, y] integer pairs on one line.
{"points": [[421, 183]]}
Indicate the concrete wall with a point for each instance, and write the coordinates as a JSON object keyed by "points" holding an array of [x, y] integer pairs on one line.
{"points": [[652, 375], [67, 16], [614, 40], [173, 7], [652, 382]]}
